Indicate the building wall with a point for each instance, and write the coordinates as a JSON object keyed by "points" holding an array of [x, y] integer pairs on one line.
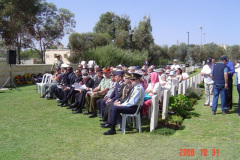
{"points": [[23, 69], [50, 55]]}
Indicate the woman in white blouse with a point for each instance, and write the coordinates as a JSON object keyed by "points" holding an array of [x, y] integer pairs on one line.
{"points": [[153, 88]]}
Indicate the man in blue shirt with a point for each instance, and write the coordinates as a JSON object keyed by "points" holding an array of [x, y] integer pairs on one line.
{"points": [[219, 75], [231, 71]]}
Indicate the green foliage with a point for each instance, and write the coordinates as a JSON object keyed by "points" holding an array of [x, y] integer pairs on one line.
{"points": [[176, 119], [111, 56], [111, 24], [142, 36], [201, 85], [179, 105], [164, 131], [194, 93], [28, 54]]}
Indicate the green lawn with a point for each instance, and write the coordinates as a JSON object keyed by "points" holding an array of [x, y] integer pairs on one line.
{"points": [[34, 128]]}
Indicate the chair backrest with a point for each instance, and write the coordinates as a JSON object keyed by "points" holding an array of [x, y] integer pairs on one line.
{"points": [[44, 78], [138, 109], [49, 77]]}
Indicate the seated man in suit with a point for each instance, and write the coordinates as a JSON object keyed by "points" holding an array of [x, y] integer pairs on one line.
{"points": [[80, 95], [129, 106], [68, 91]]}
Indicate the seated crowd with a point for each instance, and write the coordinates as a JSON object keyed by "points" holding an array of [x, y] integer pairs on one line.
{"points": [[110, 91]]}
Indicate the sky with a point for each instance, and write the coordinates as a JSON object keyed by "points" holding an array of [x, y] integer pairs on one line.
{"points": [[170, 19]]}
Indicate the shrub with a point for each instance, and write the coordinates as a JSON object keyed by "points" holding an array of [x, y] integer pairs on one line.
{"points": [[164, 131], [111, 56], [180, 105], [194, 93], [176, 119]]}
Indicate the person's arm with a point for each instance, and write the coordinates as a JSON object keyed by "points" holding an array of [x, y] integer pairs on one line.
{"points": [[180, 79], [226, 77], [231, 70]]}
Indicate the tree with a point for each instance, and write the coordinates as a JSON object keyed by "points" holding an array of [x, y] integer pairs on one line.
{"points": [[234, 52], [81, 42], [142, 35], [50, 27], [16, 22], [111, 24]]}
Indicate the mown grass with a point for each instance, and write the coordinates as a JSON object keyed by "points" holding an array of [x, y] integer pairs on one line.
{"points": [[34, 128]]}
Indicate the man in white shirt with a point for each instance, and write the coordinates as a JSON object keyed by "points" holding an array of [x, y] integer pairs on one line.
{"points": [[208, 82], [175, 65]]}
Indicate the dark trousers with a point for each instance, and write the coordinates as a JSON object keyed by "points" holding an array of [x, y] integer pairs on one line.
{"points": [[67, 94], [116, 113], [80, 98], [58, 93], [238, 89], [103, 106], [229, 93]]}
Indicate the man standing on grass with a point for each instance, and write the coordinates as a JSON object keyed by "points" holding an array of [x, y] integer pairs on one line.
{"points": [[219, 75]]}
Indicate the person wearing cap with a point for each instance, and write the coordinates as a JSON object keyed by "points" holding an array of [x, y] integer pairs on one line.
{"points": [[125, 94], [131, 69], [80, 100], [231, 72], [98, 93], [160, 72], [171, 76], [175, 65], [56, 79], [57, 63], [130, 106], [208, 82], [219, 74], [117, 93]]}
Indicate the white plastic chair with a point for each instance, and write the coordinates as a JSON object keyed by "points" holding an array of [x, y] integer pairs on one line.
{"points": [[138, 122], [44, 81]]}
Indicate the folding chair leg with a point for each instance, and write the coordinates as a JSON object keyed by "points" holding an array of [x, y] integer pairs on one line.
{"points": [[123, 123], [139, 123]]}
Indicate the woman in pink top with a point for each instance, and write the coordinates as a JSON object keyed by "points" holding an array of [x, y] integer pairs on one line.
{"points": [[153, 88]]}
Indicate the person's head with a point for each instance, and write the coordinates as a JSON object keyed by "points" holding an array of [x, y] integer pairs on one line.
{"points": [[131, 69], [58, 70], [164, 77], [175, 61], [99, 73], [85, 77], [118, 76], [84, 71], [78, 72], [146, 59], [150, 70], [154, 77], [113, 79], [91, 71], [172, 74], [96, 68], [223, 59], [58, 57], [144, 71], [106, 72], [63, 70], [209, 62], [167, 72], [179, 71], [135, 78], [127, 78], [69, 70], [80, 67], [213, 60], [160, 71]]}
